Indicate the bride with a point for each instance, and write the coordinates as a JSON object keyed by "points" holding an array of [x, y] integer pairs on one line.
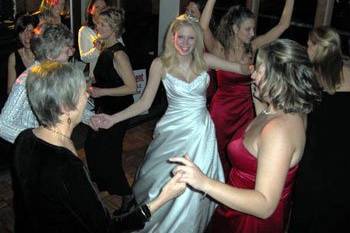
{"points": [[186, 127]]}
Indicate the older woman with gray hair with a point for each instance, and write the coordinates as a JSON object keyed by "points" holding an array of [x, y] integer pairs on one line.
{"points": [[52, 190], [52, 42]]}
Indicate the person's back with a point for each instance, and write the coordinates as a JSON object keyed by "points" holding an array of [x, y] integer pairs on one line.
{"points": [[320, 202], [47, 181]]}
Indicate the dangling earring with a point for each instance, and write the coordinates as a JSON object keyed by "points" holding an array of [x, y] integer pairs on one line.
{"points": [[69, 121]]}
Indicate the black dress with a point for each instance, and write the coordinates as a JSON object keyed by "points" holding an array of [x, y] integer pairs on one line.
{"points": [[321, 198], [104, 148], [53, 192]]}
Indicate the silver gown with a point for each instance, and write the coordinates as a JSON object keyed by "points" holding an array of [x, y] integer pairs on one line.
{"points": [[186, 127]]}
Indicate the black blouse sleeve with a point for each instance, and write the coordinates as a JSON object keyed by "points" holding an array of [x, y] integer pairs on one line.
{"points": [[83, 201], [87, 208]]}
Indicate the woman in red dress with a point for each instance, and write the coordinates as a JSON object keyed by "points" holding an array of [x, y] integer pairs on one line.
{"points": [[265, 158], [231, 107]]}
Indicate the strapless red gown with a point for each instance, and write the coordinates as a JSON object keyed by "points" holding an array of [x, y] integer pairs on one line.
{"points": [[231, 109], [242, 175]]}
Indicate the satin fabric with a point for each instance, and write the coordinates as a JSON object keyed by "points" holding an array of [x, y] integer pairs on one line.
{"points": [[231, 109], [186, 127], [243, 175]]}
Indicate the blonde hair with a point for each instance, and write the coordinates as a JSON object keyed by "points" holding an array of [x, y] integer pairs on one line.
{"points": [[289, 83], [169, 58], [327, 60], [46, 10], [115, 19]]}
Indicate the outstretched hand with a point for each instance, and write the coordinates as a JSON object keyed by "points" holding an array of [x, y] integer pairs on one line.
{"points": [[173, 188], [102, 121], [95, 92], [190, 173]]}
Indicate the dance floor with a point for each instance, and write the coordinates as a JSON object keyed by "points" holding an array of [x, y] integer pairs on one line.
{"points": [[136, 142]]}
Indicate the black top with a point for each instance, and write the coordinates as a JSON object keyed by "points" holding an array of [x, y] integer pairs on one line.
{"points": [[53, 192], [107, 77], [321, 195], [20, 67]]}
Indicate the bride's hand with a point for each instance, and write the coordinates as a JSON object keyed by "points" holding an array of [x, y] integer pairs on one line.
{"points": [[173, 188], [190, 173], [103, 121]]}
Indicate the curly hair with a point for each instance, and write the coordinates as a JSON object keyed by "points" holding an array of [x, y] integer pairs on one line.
{"points": [[225, 34], [168, 56], [289, 83], [327, 60], [49, 40], [115, 19]]}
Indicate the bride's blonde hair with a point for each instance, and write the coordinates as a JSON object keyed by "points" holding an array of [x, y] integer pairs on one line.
{"points": [[169, 58]]}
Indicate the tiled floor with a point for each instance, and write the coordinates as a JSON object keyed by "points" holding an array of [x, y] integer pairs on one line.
{"points": [[136, 142]]}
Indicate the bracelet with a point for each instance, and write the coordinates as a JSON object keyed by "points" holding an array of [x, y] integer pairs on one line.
{"points": [[145, 211]]}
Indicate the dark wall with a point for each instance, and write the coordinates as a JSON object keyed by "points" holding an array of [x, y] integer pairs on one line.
{"points": [[7, 46], [6, 10]]}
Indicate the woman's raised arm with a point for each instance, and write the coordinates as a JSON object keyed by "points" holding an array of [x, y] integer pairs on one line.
{"points": [[276, 31], [211, 43]]}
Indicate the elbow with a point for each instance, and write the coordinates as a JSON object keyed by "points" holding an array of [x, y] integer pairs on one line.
{"points": [[267, 207], [284, 26], [133, 89], [145, 105], [287, 25], [84, 58], [206, 29], [266, 213]]}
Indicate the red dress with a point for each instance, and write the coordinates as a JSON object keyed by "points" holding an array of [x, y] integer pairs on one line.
{"points": [[242, 175], [231, 109]]}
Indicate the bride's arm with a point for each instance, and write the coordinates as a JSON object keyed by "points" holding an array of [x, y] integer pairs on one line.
{"points": [[143, 104]]}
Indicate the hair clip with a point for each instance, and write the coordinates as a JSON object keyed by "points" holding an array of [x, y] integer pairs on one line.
{"points": [[187, 17], [190, 17]]}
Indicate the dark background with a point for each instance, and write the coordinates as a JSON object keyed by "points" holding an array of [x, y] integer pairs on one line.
{"points": [[142, 28]]}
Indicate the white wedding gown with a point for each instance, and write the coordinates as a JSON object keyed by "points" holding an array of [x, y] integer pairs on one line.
{"points": [[186, 127]]}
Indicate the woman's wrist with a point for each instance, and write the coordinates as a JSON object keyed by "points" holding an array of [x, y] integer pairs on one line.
{"points": [[206, 185], [115, 119], [156, 203]]}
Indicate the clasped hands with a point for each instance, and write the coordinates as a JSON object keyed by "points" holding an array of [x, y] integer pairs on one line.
{"points": [[189, 172], [101, 121], [185, 173]]}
